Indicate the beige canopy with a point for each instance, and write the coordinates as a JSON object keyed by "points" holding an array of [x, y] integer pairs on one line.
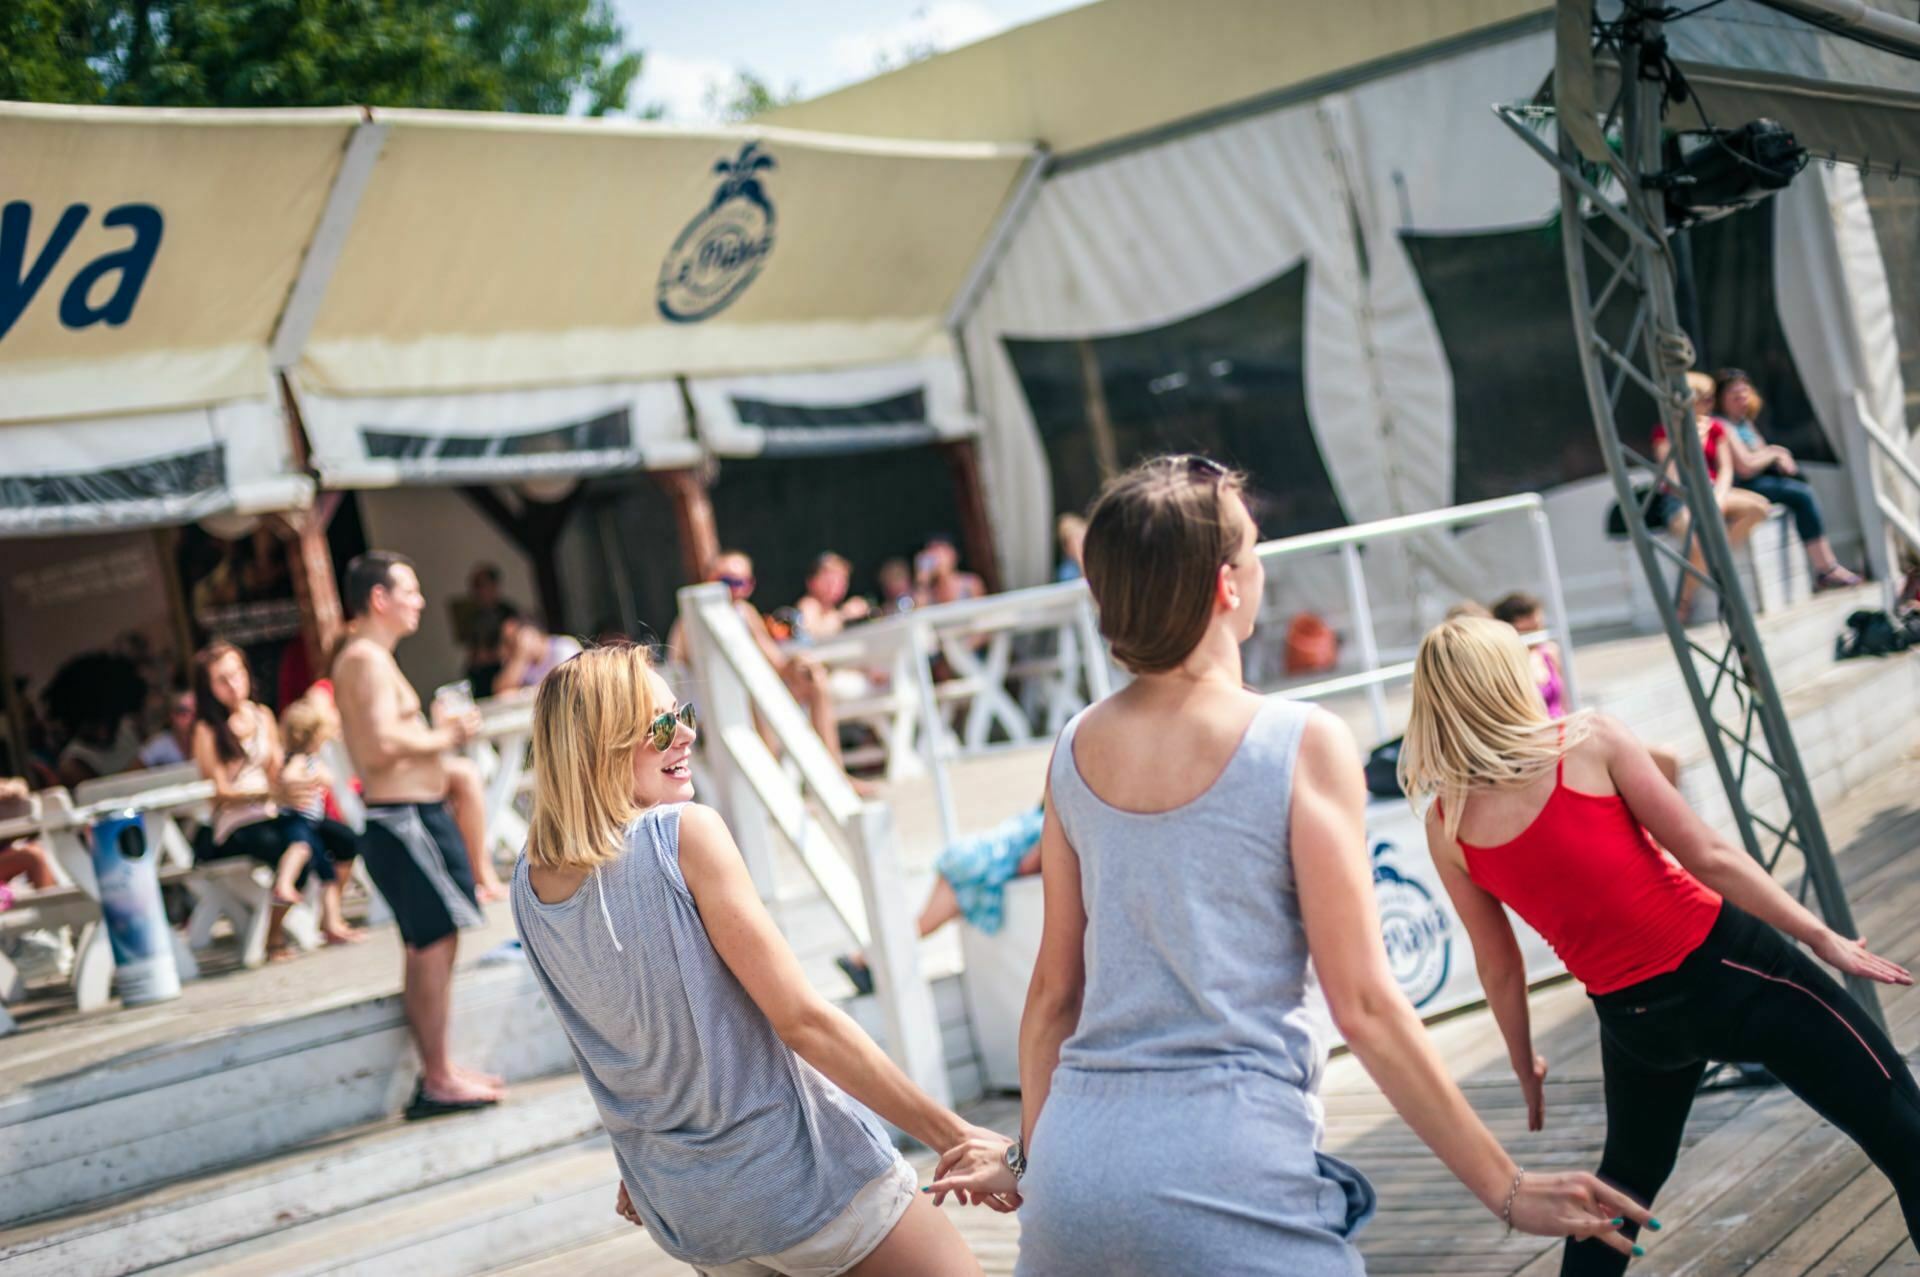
{"points": [[453, 297], [1119, 69]]}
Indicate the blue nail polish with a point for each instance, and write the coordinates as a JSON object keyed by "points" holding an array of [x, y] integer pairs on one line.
{"points": [[927, 1189], [1639, 1251], [1617, 1221], [1654, 1224]]}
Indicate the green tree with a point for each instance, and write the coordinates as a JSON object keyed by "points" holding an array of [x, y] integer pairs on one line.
{"points": [[747, 96], [546, 56]]}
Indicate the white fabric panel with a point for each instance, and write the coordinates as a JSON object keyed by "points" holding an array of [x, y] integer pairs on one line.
{"points": [[148, 470], [1146, 239], [483, 438], [1837, 312], [937, 379]]}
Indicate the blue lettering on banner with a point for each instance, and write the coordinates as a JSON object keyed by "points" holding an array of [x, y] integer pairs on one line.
{"points": [[1416, 929], [723, 248], [20, 281]]}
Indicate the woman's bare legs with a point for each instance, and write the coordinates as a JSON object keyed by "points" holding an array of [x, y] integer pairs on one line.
{"points": [[31, 860], [923, 1244], [467, 801], [1742, 511], [286, 875], [941, 908]]}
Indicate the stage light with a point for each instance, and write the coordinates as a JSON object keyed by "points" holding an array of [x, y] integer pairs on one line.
{"points": [[1713, 172]]}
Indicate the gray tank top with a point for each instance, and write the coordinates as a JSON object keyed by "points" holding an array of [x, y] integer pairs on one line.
{"points": [[1195, 953], [730, 1145]]}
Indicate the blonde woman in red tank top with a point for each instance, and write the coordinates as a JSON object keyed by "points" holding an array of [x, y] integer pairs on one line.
{"points": [[1683, 954]]}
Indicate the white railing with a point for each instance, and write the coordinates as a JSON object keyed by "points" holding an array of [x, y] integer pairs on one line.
{"points": [[976, 638], [1877, 507], [845, 842], [1374, 677]]}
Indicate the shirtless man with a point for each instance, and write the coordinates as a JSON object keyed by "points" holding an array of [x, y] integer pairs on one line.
{"points": [[412, 847]]}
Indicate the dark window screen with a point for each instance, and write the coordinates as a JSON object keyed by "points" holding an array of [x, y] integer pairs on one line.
{"points": [[1229, 383], [1740, 325], [610, 431], [1521, 417], [787, 511]]}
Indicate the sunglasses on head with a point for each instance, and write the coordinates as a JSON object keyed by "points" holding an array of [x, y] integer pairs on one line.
{"points": [[1198, 466], [666, 725], [737, 582]]}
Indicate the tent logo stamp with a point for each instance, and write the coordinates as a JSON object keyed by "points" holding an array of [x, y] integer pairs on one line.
{"points": [[1417, 931], [723, 248]]}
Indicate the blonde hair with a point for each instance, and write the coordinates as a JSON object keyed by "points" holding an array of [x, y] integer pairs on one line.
{"points": [[305, 726], [590, 716], [1478, 720]]}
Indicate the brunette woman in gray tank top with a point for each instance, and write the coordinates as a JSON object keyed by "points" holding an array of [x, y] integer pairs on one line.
{"points": [[712, 1061], [1201, 844]]}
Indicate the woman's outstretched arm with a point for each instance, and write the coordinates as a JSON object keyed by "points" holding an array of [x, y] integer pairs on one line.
{"points": [[745, 937], [1726, 868], [1335, 883]]}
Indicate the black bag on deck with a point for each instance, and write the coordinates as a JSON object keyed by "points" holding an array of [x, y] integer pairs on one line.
{"points": [[1383, 779], [1871, 632]]}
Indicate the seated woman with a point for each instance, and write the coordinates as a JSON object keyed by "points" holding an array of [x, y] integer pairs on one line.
{"points": [[237, 746], [22, 859], [974, 873], [1743, 511], [1771, 471]]}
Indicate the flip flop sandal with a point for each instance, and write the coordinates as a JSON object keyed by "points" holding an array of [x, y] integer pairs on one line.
{"points": [[424, 1106]]}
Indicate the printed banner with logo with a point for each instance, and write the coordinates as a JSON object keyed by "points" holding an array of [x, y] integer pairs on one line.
{"points": [[455, 297], [505, 252]]}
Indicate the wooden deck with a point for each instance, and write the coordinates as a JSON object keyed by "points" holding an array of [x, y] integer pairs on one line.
{"points": [[1764, 1186]]}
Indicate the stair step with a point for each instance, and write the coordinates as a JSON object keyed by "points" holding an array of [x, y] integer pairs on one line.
{"points": [[518, 1210], [314, 1181]]}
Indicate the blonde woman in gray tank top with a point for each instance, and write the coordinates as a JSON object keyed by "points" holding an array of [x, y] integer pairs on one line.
{"points": [[1201, 844], [717, 1069]]}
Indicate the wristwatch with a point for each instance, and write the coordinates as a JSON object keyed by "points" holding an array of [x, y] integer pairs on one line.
{"points": [[1016, 1160]]}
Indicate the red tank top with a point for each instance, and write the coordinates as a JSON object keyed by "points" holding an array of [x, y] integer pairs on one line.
{"points": [[1615, 908]]}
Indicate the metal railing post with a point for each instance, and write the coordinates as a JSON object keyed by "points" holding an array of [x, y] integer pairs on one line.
{"points": [[1363, 629], [1557, 623], [893, 953], [729, 707], [932, 731]]}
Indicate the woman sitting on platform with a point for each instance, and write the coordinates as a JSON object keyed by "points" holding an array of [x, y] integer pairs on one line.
{"points": [[1682, 954], [1771, 471], [1743, 511], [257, 800]]}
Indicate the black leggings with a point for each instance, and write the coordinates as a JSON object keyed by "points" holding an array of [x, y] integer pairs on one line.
{"points": [[333, 844], [1748, 996]]}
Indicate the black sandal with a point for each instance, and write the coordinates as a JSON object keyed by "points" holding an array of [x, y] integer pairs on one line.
{"points": [[424, 1106], [859, 973]]}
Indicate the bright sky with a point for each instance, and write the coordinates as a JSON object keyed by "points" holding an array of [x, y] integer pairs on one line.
{"points": [[816, 44]]}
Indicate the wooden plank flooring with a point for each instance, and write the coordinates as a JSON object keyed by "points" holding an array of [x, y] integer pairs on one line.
{"points": [[1764, 1186]]}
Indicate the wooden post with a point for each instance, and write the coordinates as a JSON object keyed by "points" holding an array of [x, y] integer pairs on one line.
{"points": [[303, 538], [976, 529], [1106, 449], [536, 529], [693, 516]]}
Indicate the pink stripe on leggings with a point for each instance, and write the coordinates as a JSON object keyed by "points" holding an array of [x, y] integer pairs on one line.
{"points": [[1823, 1002]]}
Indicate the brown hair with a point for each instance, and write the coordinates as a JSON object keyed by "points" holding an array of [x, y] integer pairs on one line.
{"points": [[1156, 540], [207, 707], [1517, 606]]}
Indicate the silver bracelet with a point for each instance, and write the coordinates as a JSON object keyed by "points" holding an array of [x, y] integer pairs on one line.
{"points": [[1506, 1211]]}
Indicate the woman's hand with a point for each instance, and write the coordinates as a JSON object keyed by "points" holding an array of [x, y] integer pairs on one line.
{"points": [[1575, 1204], [1852, 957], [1533, 1085], [975, 1170], [623, 1207]]}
